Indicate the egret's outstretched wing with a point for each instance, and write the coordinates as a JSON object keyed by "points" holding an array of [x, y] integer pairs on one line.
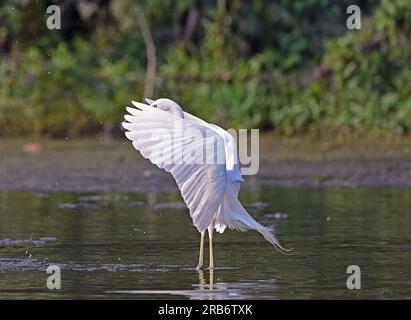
{"points": [[231, 157], [192, 153]]}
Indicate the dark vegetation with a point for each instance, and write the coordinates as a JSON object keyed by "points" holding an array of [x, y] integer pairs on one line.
{"points": [[288, 66]]}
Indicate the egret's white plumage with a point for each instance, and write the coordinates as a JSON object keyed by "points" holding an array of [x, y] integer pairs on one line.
{"points": [[168, 136]]}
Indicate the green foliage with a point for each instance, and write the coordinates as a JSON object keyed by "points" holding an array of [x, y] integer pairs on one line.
{"points": [[288, 66], [64, 92], [362, 81]]}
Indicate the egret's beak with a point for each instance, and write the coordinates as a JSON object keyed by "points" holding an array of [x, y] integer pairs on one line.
{"points": [[149, 101]]}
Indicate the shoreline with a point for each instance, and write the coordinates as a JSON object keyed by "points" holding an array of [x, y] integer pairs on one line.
{"points": [[114, 166]]}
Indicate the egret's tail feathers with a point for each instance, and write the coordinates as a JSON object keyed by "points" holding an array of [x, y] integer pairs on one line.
{"points": [[233, 215], [268, 234]]}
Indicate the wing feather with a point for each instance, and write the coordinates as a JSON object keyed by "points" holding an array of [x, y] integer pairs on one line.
{"points": [[202, 185]]}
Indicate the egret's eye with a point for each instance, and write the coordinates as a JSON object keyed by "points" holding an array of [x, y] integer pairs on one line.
{"points": [[155, 105]]}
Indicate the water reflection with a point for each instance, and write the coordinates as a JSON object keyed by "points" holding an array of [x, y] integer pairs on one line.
{"points": [[207, 289], [202, 282]]}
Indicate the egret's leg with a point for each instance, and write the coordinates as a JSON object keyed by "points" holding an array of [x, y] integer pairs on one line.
{"points": [[210, 242], [201, 254]]}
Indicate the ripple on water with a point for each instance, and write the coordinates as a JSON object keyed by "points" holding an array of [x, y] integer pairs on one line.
{"points": [[11, 242], [99, 201], [78, 205], [276, 216], [9, 264]]}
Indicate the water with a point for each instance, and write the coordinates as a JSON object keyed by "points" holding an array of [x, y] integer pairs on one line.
{"points": [[121, 245]]}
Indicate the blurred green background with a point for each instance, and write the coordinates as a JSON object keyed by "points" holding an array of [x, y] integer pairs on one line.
{"points": [[288, 66]]}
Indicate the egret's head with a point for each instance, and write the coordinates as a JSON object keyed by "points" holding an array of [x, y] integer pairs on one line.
{"points": [[167, 105]]}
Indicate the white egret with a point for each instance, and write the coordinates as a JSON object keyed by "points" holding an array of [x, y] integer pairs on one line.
{"points": [[203, 160]]}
